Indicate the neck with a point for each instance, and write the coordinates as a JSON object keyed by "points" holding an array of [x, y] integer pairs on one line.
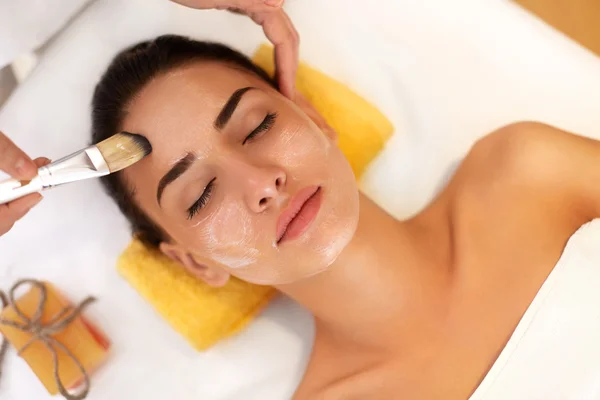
{"points": [[385, 279]]}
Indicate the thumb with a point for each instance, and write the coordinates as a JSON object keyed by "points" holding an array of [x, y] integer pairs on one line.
{"points": [[41, 161]]}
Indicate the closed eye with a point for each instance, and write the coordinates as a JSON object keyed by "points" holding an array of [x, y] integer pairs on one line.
{"points": [[264, 126], [202, 200]]}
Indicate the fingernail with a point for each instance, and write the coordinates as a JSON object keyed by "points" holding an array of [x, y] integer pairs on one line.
{"points": [[274, 3], [22, 167]]}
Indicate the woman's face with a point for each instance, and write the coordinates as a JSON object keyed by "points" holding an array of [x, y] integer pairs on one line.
{"points": [[240, 178]]}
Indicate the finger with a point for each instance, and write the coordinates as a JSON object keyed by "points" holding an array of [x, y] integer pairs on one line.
{"points": [[14, 161], [41, 161], [290, 89], [242, 5], [15, 210], [281, 32]]}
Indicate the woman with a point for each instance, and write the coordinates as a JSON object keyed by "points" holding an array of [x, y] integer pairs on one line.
{"points": [[245, 182]]}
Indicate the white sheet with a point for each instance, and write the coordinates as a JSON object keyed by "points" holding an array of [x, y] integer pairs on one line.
{"points": [[27, 24], [445, 73]]}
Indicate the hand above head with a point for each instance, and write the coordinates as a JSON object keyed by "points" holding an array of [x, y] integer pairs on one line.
{"points": [[278, 29], [18, 165]]}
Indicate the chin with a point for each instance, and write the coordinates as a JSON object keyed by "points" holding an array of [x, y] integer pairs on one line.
{"points": [[336, 247], [317, 258], [332, 245]]}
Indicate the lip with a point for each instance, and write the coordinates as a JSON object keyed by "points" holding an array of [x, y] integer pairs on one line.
{"points": [[299, 214]]}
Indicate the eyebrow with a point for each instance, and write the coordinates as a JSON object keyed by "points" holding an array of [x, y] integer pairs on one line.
{"points": [[229, 107], [175, 172], [186, 162]]}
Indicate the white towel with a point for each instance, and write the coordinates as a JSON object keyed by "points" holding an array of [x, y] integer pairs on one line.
{"points": [[554, 353]]}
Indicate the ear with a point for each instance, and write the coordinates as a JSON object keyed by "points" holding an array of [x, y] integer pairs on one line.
{"points": [[213, 276], [316, 117]]}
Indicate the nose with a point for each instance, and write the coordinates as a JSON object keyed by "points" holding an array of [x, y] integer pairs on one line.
{"points": [[264, 186], [261, 185]]}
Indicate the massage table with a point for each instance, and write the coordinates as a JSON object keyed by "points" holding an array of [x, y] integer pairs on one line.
{"points": [[444, 72]]}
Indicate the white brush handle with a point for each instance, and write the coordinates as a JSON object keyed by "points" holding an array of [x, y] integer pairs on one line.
{"points": [[13, 189], [84, 164]]}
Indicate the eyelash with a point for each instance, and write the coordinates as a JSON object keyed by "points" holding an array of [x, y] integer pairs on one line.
{"points": [[201, 202], [264, 126]]}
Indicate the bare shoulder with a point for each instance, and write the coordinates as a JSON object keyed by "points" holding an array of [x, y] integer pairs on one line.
{"points": [[528, 151], [518, 196], [538, 165]]}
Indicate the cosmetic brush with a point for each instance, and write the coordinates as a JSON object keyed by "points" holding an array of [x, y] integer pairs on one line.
{"points": [[111, 155]]}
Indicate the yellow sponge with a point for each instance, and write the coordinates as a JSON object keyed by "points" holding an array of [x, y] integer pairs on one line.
{"points": [[201, 313], [205, 315]]}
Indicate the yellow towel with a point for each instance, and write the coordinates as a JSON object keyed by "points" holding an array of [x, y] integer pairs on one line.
{"points": [[205, 315]]}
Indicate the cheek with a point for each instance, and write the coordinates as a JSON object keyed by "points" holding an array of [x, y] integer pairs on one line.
{"points": [[227, 236], [299, 145]]}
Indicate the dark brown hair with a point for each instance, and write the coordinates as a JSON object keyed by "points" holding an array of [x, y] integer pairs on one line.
{"points": [[128, 73]]}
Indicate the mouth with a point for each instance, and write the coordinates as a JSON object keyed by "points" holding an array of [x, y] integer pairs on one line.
{"points": [[299, 215]]}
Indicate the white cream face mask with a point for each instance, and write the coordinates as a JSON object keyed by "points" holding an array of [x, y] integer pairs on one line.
{"points": [[238, 250], [255, 177], [244, 242]]}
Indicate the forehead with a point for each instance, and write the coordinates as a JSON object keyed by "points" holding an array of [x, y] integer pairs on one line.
{"points": [[176, 111], [186, 98]]}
